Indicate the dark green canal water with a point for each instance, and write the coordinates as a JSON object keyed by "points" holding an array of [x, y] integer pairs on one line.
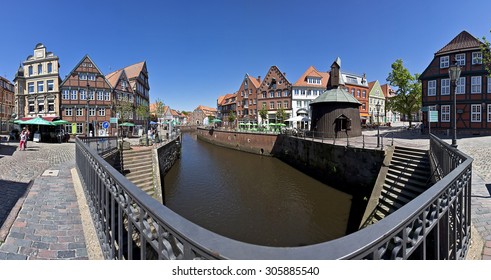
{"points": [[252, 198]]}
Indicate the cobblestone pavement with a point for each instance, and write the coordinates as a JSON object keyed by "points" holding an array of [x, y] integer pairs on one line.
{"points": [[48, 225]]}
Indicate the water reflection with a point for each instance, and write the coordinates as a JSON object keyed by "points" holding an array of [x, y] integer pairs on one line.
{"points": [[252, 198]]}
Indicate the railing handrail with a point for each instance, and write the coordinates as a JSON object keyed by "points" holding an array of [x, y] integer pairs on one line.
{"points": [[364, 243]]}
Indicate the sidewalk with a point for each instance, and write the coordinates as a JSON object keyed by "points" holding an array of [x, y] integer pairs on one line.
{"points": [[44, 220]]}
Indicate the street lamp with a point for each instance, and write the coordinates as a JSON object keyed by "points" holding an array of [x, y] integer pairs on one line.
{"points": [[378, 123], [454, 74]]}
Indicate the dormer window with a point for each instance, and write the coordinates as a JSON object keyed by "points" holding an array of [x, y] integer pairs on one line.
{"points": [[313, 80]]}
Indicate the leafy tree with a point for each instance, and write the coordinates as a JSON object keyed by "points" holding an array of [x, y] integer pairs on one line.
{"points": [[280, 115], [486, 54], [263, 113], [125, 110], [159, 108], [231, 118], [142, 111], [407, 100]]}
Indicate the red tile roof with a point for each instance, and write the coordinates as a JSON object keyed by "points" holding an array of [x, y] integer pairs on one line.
{"points": [[312, 72], [134, 70], [463, 41]]}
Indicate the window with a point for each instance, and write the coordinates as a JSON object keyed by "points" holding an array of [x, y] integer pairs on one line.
{"points": [[445, 113], [432, 88], [51, 105], [476, 84], [444, 62], [460, 86], [285, 104], [489, 85], [278, 94], [357, 93], [279, 104], [40, 105], [80, 127], [30, 87], [40, 69], [40, 86], [80, 112], [106, 96], [91, 77], [271, 105], [264, 105], [271, 94], [31, 106], [100, 95], [285, 93], [102, 111], [51, 85], [82, 76], [489, 112], [445, 86], [475, 112], [353, 91], [50, 67], [460, 58], [91, 111], [30, 70], [364, 106], [66, 94], [68, 112], [74, 94], [83, 94], [295, 91], [476, 58], [364, 94]]}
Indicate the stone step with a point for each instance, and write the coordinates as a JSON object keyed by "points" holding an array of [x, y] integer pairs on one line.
{"points": [[391, 205], [413, 161], [406, 180], [395, 196], [419, 171], [408, 175], [138, 175], [410, 150], [407, 188]]}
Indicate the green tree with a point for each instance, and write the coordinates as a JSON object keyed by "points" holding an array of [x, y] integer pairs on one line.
{"points": [[263, 113], [486, 54], [231, 118], [159, 108], [407, 100], [280, 115], [125, 110]]}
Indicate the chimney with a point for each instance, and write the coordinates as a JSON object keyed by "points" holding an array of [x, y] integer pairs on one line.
{"points": [[259, 79], [284, 74]]}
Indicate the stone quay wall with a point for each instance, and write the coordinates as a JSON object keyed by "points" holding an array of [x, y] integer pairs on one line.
{"points": [[164, 158], [257, 143]]}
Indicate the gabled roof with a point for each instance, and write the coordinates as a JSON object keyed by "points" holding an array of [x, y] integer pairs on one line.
{"points": [[387, 90], [336, 95], [134, 70], [281, 76], [78, 64], [254, 80], [115, 76], [205, 108], [463, 41], [312, 72]]}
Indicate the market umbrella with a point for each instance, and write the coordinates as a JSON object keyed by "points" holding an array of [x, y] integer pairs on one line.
{"points": [[37, 121], [127, 124], [152, 122], [60, 122], [216, 120], [281, 124], [18, 121]]}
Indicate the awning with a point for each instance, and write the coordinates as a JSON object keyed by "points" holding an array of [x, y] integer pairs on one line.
{"points": [[49, 119], [364, 114]]}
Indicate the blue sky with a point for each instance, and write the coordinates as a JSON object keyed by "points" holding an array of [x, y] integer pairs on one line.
{"points": [[199, 50]]}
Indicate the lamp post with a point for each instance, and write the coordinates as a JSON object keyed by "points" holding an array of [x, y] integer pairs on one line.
{"points": [[454, 74], [378, 123]]}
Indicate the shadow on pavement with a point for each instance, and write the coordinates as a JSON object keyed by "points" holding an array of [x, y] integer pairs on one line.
{"points": [[7, 150], [10, 193]]}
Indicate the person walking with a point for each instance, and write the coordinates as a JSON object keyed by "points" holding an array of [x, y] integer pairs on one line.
{"points": [[23, 139], [28, 133]]}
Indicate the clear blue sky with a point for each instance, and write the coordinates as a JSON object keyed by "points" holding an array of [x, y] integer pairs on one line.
{"points": [[199, 50]]}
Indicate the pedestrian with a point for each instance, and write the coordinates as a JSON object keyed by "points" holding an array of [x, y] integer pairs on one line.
{"points": [[28, 133], [23, 137]]}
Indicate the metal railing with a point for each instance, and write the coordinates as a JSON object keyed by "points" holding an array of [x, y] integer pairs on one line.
{"points": [[132, 225]]}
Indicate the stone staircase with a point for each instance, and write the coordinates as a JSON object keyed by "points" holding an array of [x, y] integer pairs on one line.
{"points": [[407, 177], [138, 168]]}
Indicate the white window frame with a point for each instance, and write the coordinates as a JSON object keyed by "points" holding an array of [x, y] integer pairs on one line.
{"points": [[444, 61], [476, 113], [445, 113], [50, 83], [445, 87], [460, 86], [476, 84], [73, 95], [432, 88], [68, 112], [40, 86], [66, 94], [30, 87], [460, 58], [107, 97], [102, 112], [92, 111], [489, 112], [476, 58], [79, 112]]}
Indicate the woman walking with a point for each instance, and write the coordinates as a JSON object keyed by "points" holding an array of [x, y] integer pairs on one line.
{"points": [[23, 139]]}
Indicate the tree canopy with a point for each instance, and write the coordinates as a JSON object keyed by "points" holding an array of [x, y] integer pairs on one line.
{"points": [[407, 100]]}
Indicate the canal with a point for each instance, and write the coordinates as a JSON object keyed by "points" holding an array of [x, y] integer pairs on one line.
{"points": [[251, 198]]}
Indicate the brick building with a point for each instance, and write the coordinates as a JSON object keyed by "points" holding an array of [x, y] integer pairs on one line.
{"points": [[472, 91], [275, 92], [7, 103], [246, 102]]}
